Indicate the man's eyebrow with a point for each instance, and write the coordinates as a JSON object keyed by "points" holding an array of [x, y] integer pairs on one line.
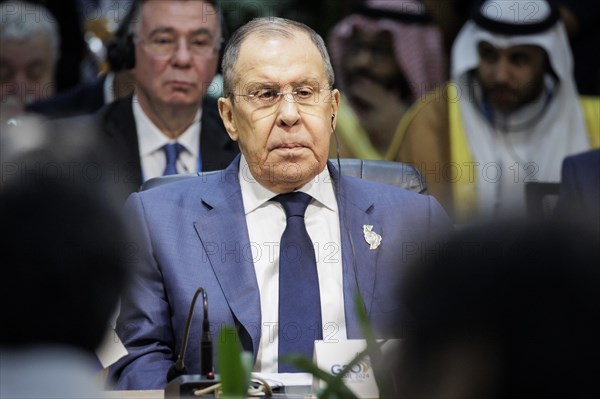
{"points": [[307, 82], [36, 62], [172, 31], [296, 83]]}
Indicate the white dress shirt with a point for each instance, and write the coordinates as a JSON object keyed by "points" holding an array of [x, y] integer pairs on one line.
{"points": [[266, 222], [151, 140]]}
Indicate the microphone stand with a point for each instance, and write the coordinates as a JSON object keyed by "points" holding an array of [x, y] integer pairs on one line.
{"points": [[180, 383]]}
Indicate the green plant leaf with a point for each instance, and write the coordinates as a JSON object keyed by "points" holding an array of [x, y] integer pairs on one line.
{"points": [[233, 370], [382, 376]]}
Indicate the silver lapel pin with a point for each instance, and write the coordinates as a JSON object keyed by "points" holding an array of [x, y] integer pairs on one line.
{"points": [[372, 238]]}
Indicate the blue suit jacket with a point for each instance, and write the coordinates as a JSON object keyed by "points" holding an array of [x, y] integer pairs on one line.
{"points": [[579, 199], [193, 233]]}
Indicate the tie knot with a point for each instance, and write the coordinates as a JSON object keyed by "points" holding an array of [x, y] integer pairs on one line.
{"points": [[172, 152], [294, 203]]}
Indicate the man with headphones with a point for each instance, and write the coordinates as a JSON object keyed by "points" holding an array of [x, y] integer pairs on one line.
{"points": [[169, 125]]}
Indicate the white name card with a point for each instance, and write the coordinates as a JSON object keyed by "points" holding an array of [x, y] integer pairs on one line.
{"points": [[333, 356]]}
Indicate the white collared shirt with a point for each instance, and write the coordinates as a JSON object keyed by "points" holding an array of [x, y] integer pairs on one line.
{"points": [[151, 140], [266, 222]]}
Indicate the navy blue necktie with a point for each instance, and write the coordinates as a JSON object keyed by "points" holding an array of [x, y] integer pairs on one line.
{"points": [[172, 152], [299, 298]]}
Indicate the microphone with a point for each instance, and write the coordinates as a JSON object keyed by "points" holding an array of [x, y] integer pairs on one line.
{"points": [[180, 383]]}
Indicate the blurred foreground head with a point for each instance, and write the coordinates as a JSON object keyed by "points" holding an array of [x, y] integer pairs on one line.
{"points": [[504, 311], [62, 254]]}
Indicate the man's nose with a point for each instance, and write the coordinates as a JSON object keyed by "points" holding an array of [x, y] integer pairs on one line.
{"points": [[502, 70], [182, 56], [360, 59], [288, 114]]}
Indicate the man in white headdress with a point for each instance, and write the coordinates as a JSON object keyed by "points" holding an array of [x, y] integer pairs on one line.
{"points": [[510, 114]]}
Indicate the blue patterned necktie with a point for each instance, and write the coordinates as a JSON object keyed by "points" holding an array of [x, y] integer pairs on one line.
{"points": [[172, 152], [299, 297]]}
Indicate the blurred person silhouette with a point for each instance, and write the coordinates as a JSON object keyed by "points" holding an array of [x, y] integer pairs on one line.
{"points": [[169, 125], [509, 115], [29, 53], [88, 97], [579, 197], [64, 268], [506, 310], [73, 49], [386, 55], [319, 15], [83, 159], [581, 21], [450, 16], [579, 16]]}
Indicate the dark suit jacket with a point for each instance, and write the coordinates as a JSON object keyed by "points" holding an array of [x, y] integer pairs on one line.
{"points": [[80, 100], [579, 199], [193, 233], [112, 131]]}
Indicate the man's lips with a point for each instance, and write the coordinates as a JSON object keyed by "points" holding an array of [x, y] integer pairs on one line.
{"points": [[502, 92], [288, 147], [181, 84]]}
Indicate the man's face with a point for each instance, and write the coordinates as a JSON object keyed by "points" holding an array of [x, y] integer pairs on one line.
{"points": [[369, 59], [513, 76], [181, 77], [285, 143], [26, 69]]}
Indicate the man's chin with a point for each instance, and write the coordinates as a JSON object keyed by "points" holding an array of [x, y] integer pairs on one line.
{"points": [[182, 99], [296, 168], [504, 101]]}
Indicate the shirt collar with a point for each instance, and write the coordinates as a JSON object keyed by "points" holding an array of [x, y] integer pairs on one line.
{"points": [[152, 139], [254, 195]]}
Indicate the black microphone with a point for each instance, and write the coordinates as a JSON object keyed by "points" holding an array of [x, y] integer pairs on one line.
{"points": [[179, 382]]}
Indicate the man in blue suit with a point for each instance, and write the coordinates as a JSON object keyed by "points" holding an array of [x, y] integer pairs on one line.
{"points": [[225, 231]]}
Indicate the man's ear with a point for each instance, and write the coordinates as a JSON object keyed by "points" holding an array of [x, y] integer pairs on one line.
{"points": [[226, 112], [335, 103]]}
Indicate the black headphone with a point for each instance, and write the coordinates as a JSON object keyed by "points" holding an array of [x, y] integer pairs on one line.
{"points": [[120, 51]]}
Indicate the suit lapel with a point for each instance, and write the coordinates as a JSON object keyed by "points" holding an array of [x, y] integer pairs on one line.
{"points": [[119, 128], [358, 261], [118, 125], [224, 236], [222, 230]]}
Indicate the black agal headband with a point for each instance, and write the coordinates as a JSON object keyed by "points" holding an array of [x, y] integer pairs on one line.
{"points": [[484, 17]]}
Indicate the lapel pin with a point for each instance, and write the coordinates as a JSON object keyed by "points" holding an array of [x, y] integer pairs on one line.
{"points": [[372, 238]]}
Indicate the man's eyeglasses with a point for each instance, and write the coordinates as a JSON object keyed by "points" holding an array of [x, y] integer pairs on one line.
{"points": [[161, 46], [268, 96]]}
